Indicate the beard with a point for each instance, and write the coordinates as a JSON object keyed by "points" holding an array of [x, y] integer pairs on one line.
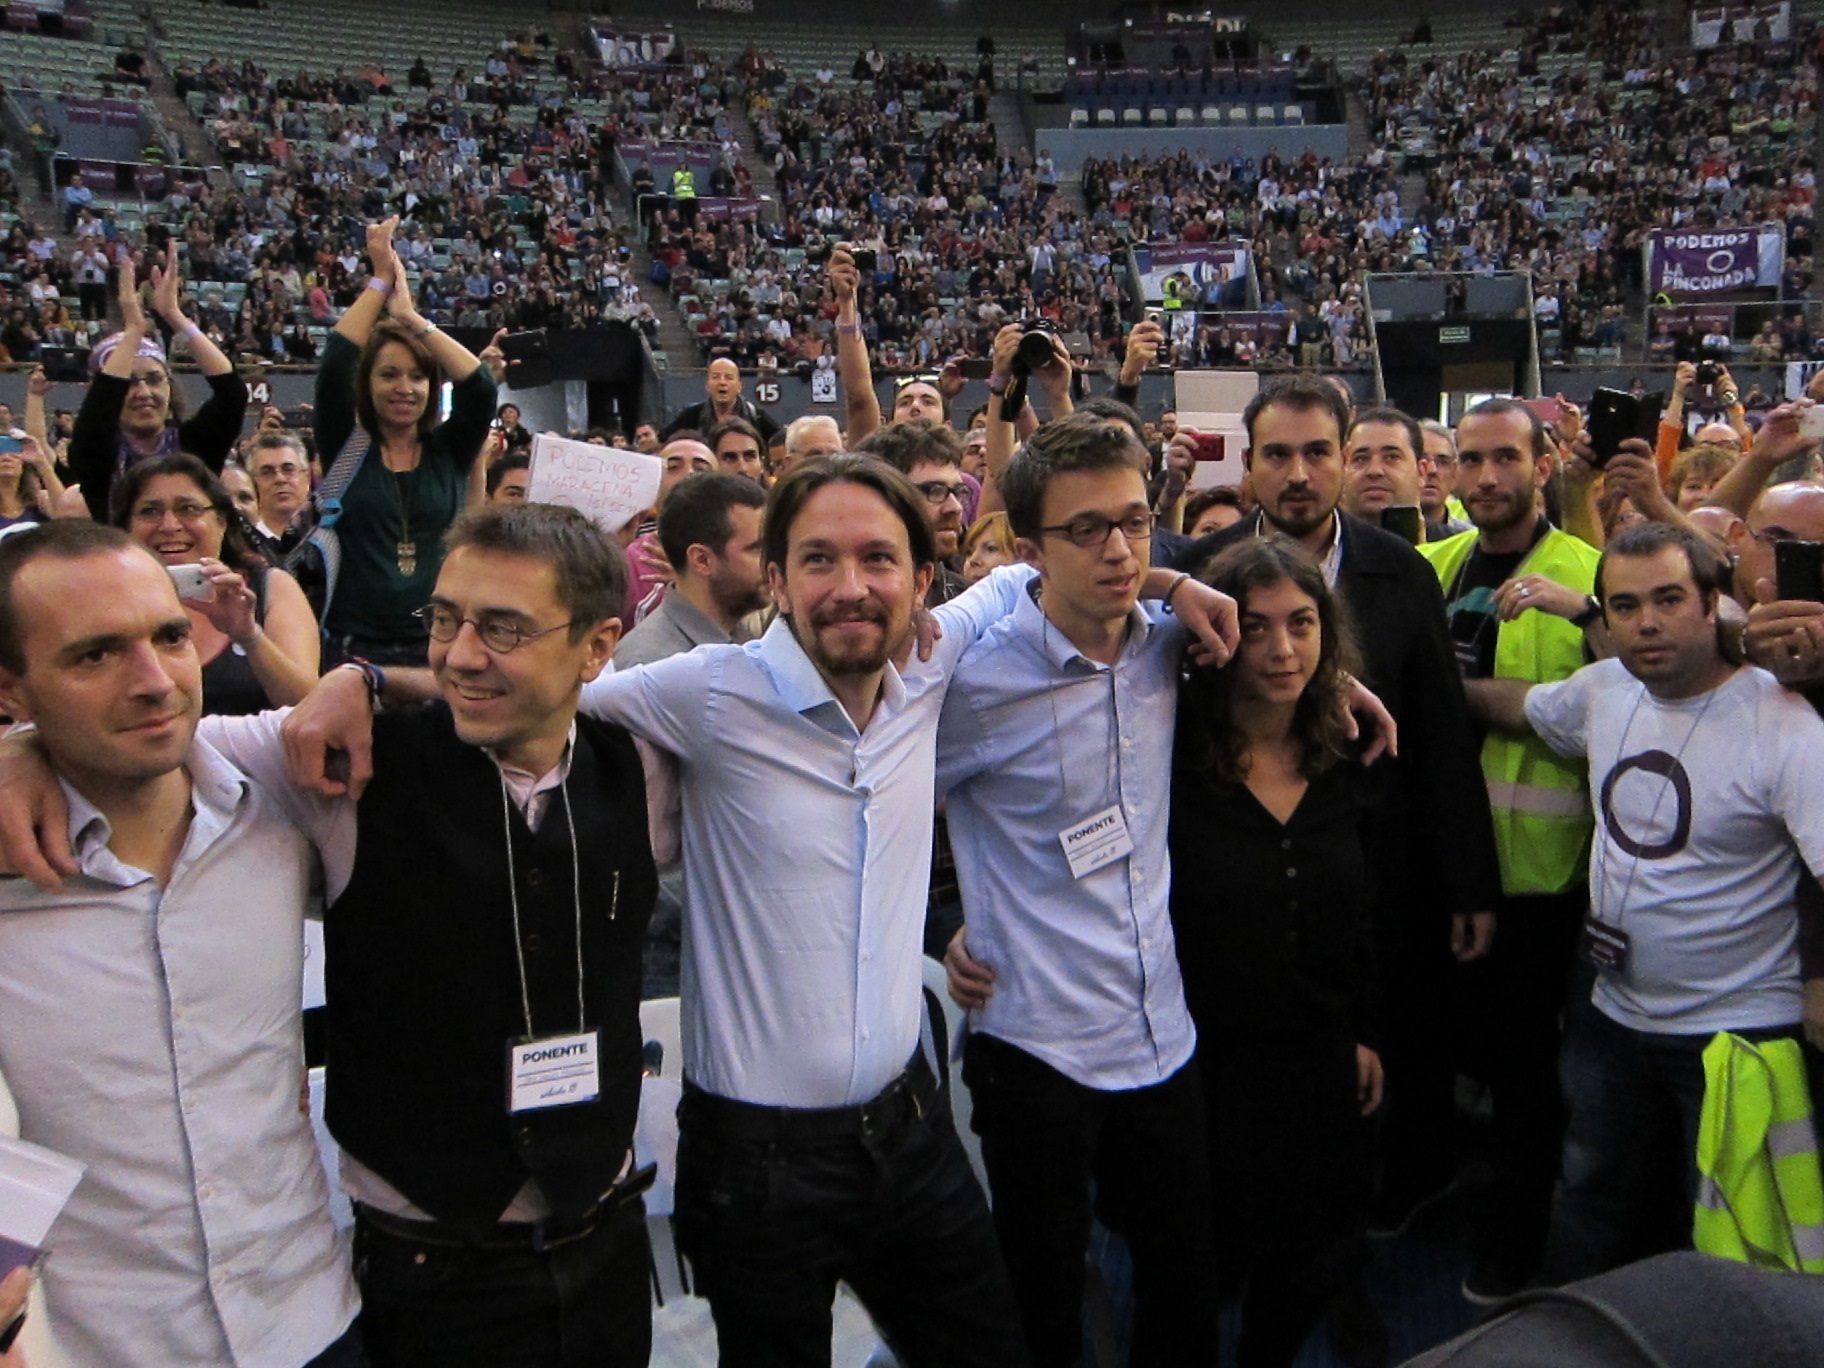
{"points": [[1515, 510], [851, 656]]}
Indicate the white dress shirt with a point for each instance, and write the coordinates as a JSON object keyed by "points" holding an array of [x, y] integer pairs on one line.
{"points": [[1035, 739], [807, 855], [154, 1034]]}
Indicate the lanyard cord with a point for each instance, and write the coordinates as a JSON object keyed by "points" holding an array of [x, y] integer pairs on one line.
{"points": [[576, 895], [1627, 887]]}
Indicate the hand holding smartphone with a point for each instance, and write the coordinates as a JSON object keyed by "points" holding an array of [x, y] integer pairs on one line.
{"points": [[1798, 570]]}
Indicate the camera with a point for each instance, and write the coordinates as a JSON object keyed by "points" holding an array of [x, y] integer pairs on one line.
{"points": [[1708, 373], [1035, 350]]}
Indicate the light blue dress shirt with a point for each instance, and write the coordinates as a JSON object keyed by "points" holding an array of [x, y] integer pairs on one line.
{"points": [[807, 855], [1035, 738], [155, 1034]]}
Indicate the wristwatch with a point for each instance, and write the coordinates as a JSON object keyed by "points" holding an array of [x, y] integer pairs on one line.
{"points": [[1592, 609]]}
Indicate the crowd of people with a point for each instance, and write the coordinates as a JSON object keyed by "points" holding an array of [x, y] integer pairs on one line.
{"points": [[1245, 820], [1327, 830], [1563, 175]]}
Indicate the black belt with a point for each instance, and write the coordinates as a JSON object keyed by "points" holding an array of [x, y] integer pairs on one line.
{"points": [[521, 1236], [910, 1096]]}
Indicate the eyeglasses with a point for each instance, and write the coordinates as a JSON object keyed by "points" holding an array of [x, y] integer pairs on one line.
{"points": [[497, 634], [186, 510], [905, 380], [289, 470], [1091, 531], [937, 492]]}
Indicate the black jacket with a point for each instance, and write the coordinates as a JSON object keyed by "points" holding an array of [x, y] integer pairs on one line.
{"points": [[701, 418], [1431, 841]]}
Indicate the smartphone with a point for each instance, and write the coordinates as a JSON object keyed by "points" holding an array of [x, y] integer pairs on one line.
{"points": [[1210, 446], [191, 582], [1798, 570], [10, 443], [866, 262], [976, 367], [1406, 521], [1615, 416], [1811, 423], [158, 236], [1549, 410]]}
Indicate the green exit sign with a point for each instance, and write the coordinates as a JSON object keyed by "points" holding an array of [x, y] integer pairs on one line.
{"points": [[1450, 336]]}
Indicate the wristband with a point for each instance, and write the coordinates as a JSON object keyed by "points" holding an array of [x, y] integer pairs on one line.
{"points": [[997, 384], [848, 329], [190, 331], [371, 675], [380, 287], [1173, 587]]}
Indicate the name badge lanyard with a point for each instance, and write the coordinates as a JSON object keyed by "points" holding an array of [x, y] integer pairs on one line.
{"points": [[556, 1070], [1100, 838], [1605, 943]]}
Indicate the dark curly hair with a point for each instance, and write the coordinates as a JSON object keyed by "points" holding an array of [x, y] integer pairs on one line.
{"points": [[1207, 735]]}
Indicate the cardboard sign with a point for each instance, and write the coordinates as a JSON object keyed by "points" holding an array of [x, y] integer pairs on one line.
{"points": [[611, 485]]}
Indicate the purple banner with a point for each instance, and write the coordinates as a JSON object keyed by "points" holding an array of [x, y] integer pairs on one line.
{"points": [[1695, 318], [721, 210], [1715, 261]]}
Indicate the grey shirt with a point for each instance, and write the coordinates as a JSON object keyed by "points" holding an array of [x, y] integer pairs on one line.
{"points": [[674, 627]]}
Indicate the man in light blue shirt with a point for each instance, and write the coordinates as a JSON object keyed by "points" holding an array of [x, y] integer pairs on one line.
{"points": [[1056, 752]]}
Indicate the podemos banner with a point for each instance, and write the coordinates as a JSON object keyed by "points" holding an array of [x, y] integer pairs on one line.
{"points": [[1715, 261]]}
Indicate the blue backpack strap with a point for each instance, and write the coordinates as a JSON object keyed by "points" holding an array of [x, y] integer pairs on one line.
{"points": [[342, 472]]}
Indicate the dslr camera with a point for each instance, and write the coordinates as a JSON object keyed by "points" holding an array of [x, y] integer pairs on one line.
{"points": [[1708, 373], [1035, 350]]}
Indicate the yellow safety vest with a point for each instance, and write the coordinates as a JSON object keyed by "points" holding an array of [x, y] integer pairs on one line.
{"points": [[1540, 801], [682, 186], [1760, 1198]]}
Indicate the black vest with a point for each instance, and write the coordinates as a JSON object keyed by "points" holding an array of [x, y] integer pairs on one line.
{"points": [[423, 989]]}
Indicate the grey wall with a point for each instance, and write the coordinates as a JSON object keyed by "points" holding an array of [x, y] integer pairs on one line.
{"points": [[1069, 146]]}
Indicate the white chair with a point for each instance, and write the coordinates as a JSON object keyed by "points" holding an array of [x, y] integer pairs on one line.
{"points": [[1159, 116], [1238, 114], [1079, 117], [1292, 114], [1266, 114], [1212, 114], [1186, 116], [1132, 117], [1105, 118]]}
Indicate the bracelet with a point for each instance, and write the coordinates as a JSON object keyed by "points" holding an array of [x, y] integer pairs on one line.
{"points": [[848, 329], [1173, 587], [371, 675], [428, 328], [190, 331], [997, 384], [1729, 398], [381, 287]]}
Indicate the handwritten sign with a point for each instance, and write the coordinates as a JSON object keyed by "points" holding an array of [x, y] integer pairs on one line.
{"points": [[611, 485]]}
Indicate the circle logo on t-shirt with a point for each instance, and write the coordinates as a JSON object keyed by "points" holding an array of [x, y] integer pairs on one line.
{"points": [[1668, 768]]}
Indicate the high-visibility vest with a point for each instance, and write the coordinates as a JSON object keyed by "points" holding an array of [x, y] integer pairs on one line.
{"points": [[682, 186], [1539, 800], [1760, 1198]]}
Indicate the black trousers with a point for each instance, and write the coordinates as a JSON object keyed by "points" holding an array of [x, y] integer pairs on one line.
{"points": [[1529, 973], [581, 1302], [349, 1351], [1046, 1140], [775, 1205]]}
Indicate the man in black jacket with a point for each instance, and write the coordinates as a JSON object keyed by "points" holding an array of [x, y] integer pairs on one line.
{"points": [[1434, 797], [725, 401]]}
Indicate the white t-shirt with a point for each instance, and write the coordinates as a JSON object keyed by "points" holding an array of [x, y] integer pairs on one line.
{"points": [[1701, 819]]}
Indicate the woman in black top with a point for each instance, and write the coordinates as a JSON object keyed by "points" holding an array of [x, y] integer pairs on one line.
{"points": [[133, 410], [1270, 918], [254, 633]]}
